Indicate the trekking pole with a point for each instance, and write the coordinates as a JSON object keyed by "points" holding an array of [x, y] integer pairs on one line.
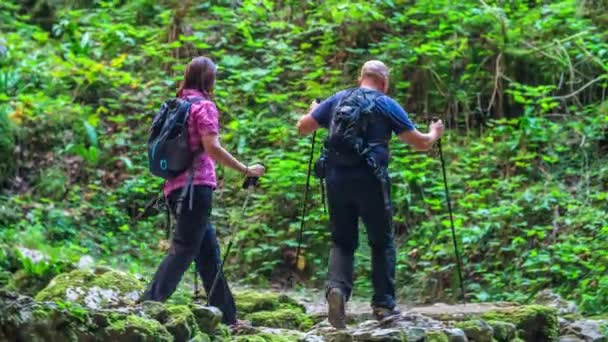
{"points": [[195, 275], [304, 205], [249, 185], [449, 202]]}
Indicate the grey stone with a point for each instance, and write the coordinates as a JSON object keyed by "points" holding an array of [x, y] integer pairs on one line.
{"points": [[327, 334], [456, 335], [587, 330], [553, 300]]}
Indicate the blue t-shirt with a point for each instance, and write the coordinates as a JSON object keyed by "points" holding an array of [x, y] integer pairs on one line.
{"points": [[392, 119]]}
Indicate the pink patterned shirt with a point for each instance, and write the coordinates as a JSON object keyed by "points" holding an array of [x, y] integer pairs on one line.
{"points": [[203, 120]]}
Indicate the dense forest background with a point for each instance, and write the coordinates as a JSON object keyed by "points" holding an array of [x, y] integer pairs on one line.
{"points": [[522, 86]]}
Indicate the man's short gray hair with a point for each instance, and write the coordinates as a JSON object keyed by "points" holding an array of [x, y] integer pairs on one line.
{"points": [[374, 68]]}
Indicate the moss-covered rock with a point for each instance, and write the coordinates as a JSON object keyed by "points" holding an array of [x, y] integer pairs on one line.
{"points": [[181, 323], [136, 328], [535, 323], [436, 336], [476, 330], [503, 331], [208, 318], [286, 318], [23, 319], [155, 310], [253, 301], [98, 288], [265, 337]]}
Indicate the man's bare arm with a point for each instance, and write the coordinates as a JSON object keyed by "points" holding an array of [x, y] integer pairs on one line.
{"points": [[307, 124], [423, 141]]}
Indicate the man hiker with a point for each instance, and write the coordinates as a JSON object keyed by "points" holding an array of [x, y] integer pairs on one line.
{"points": [[354, 166]]}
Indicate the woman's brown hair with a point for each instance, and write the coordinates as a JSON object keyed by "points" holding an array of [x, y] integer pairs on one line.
{"points": [[199, 75]]}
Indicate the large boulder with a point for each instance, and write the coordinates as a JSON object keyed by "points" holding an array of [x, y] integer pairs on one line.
{"points": [[535, 323], [23, 319], [96, 288]]}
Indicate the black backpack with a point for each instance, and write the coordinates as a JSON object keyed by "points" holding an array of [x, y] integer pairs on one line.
{"points": [[347, 142], [169, 153]]}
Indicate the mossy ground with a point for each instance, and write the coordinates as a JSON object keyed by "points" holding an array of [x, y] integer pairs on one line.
{"points": [[436, 336], [152, 321], [136, 328], [250, 301], [287, 318], [181, 322], [272, 310]]}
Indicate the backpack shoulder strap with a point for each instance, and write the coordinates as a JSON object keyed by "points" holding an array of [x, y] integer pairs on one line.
{"points": [[195, 99]]}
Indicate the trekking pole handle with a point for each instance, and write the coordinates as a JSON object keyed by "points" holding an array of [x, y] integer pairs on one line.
{"points": [[433, 120], [251, 181]]}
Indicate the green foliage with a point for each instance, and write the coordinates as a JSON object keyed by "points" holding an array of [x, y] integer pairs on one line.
{"points": [[521, 85], [7, 146]]}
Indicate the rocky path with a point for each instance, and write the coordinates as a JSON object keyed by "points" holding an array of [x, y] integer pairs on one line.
{"points": [[359, 310], [99, 304]]}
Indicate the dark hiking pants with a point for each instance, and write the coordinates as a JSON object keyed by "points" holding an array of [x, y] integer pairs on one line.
{"points": [[348, 201], [194, 240]]}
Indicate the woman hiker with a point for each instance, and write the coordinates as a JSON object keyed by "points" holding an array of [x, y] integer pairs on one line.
{"points": [[194, 238]]}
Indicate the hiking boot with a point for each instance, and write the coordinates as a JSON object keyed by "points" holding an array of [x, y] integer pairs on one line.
{"points": [[384, 313], [336, 308]]}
